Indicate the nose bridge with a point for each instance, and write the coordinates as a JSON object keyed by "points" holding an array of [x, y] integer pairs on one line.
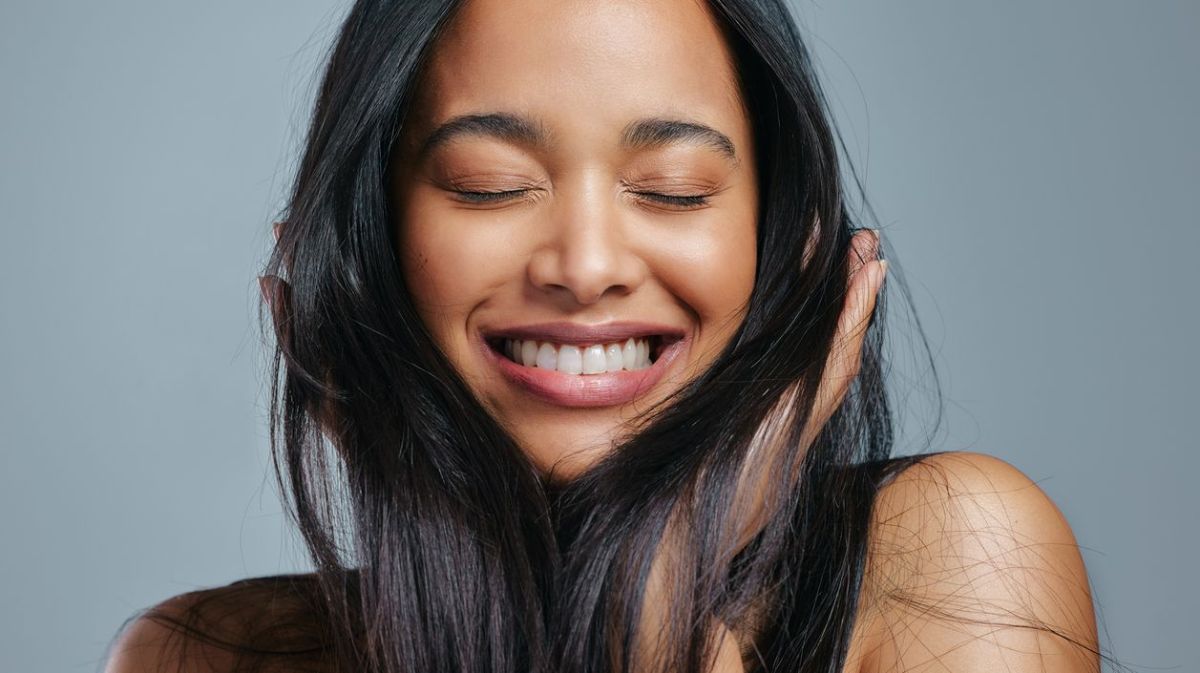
{"points": [[587, 252]]}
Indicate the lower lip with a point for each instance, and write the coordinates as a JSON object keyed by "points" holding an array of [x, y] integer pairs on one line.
{"points": [[585, 390]]}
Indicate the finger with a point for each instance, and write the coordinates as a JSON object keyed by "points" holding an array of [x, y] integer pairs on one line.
{"points": [[274, 290], [265, 288], [276, 294], [862, 286], [864, 247], [845, 355], [842, 365]]}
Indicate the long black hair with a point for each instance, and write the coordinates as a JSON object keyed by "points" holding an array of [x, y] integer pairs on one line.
{"points": [[438, 546]]}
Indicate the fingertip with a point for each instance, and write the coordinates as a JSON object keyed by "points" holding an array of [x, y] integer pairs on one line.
{"points": [[262, 287], [857, 255], [270, 287], [872, 287], [878, 276]]}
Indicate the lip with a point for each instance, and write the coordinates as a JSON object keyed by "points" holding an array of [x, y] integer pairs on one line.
{"points": [[584, 390], [582, 335]]}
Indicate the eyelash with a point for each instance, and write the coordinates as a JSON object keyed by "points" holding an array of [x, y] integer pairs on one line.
{"points": [[668, 199]]}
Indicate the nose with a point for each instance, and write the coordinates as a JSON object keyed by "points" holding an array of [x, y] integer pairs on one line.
{"points": [[587, 254]]}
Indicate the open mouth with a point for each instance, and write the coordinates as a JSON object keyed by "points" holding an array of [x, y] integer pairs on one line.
{"points": [[630, 354]]}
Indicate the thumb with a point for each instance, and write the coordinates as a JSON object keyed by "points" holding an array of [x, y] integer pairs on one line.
{"points": [[277, 295]]}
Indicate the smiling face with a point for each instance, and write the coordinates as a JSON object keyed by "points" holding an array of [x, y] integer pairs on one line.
{"points": [[576, 205]]}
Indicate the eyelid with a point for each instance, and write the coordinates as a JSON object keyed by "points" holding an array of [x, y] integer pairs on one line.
{"points": [[483, 182], [479, 196], [684, 202]]}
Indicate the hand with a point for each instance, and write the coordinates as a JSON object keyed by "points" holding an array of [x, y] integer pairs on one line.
{"points": [[845, 358], [274, 292], [866, 274], [750, 513]]}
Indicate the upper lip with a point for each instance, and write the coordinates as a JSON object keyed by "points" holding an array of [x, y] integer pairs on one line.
{"points": [[574, 333]]}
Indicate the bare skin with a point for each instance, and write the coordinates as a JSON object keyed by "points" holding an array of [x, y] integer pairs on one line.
{"points": [[585, 242], [582, 239], [582, 242]]}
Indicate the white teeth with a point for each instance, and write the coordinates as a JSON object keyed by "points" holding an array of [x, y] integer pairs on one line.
{"points": [[632, 355], [547, 357], [594, 361], [613, 361], [529, 350], [629, 354], [570, 359]]}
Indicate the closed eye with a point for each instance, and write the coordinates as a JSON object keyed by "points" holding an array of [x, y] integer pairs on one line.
{"points": [[488, 197], [688, 201], [674, 200]]}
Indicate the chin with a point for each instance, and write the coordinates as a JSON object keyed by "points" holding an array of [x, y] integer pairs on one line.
{"points": [[564, 455]]}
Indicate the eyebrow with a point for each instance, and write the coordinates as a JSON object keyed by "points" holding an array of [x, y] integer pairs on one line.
{"points": [[642, 133]]}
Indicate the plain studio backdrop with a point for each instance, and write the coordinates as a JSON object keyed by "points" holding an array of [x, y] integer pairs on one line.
{"points": [[1034, 164]]}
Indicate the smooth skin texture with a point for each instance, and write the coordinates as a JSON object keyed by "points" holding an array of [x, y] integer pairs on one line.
{"points": [[968, 556], [584, 237], [589, 238]]}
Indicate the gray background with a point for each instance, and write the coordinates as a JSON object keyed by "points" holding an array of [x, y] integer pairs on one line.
{"points": [[1034, 165]]}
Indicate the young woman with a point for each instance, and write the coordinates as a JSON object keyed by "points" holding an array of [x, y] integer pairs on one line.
{"points": [[580, 368]]}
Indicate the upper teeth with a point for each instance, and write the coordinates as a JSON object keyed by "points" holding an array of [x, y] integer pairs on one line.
{"points": [[571, 359]]}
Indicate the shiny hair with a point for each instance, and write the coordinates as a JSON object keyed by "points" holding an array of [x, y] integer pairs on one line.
{"points": [[437, 544]]}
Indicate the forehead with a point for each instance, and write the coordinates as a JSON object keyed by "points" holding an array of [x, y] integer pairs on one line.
{"points": [[584, 64]]}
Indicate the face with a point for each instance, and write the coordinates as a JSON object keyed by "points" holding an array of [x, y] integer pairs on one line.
{"points": [[576, 206]]}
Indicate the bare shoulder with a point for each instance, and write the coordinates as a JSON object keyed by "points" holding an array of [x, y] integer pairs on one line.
{"points": [[973, 567], [152, 641], [211, 630]]}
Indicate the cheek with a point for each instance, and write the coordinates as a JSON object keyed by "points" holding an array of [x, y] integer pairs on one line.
{"points": [[712, 269], [451, 266]]}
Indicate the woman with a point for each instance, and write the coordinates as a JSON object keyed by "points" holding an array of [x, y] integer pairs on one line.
{"points": [[582, 372]]}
